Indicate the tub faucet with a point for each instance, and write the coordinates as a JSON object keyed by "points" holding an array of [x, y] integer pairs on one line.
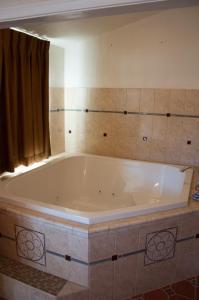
{"points": [[184, 169]]}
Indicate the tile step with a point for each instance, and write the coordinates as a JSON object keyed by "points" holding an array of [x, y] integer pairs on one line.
{"points": [[19, 281]]}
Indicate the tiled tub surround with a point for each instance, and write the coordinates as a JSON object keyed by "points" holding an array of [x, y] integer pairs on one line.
{"points": [[146, 124], [56, 120], [116, 260], [90, 189]]}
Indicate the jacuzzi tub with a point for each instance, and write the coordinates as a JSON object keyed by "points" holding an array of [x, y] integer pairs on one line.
{"points": [[91, 189]]}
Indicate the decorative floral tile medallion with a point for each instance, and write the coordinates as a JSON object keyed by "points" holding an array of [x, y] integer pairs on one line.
{"points": [[30, 245], [160, 245]]}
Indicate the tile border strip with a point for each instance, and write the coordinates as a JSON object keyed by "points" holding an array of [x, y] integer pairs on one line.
{"points": [[124, 112], [112, 258]]}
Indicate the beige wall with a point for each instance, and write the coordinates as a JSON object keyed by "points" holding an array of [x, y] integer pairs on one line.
{"points": [[154, 50]]}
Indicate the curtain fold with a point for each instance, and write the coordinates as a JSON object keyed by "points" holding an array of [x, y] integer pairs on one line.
{"points": [[24, 99]]}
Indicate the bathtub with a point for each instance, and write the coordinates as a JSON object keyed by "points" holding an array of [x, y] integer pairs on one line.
{"points": [[91, 189]]}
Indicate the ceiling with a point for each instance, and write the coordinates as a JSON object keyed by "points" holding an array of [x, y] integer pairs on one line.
{"points": [[9, 3], [16, 12], [87, 27], [88, 24]]}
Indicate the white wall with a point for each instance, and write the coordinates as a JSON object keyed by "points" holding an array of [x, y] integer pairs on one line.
{"points": [[157, 51], [56, 66]]}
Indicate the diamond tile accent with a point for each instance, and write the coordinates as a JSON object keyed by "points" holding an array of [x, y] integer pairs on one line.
{"points": [[160, 245], [30, 245]]}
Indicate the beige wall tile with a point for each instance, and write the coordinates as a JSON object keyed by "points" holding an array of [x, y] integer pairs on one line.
{"points": [[187, 265], [189, 154], [162, 99], [57, 129], [177, 101], [107, 99], [101, 281], [190, 128], [160, 128], [79, 247], [189, 224], [125, 147], [7, 224], [145, 126], [175, 127], [133, 100], [76, 98], [8, 248], [79, 274], [127, 240], [125, 277], [174, 146], [154, 276], [192, 102], [147, 100], [142, 149], [101, 246], [167, 137], [56, 98], [158, 151]]}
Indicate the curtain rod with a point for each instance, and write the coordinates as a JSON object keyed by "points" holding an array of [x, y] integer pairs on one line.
{"points": [[44, 38]]}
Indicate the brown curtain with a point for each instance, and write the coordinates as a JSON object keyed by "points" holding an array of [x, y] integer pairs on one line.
{"points": [[24, 99]]}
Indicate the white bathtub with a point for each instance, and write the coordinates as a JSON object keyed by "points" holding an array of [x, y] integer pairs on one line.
{"points": [[91, 189]]}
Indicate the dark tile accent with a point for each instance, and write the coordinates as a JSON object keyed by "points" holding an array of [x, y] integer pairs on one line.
{"points": [[31, 276], [168, 115], [86, 110], [188, 142], [30, 245], [114, 257], [125, 112], [67, 257], [105, 134], [70, 131], [197, 236], [160, 245]]}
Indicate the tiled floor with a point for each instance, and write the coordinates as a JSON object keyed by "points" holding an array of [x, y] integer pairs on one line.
{"points": [[184, 290]]}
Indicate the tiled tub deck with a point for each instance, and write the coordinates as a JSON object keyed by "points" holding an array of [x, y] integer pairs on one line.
{"points": [[117, 260]]}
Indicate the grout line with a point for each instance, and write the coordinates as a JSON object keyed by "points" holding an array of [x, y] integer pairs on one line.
{"points": [[7, 237], [55, 254], [185, 239], [131, 253]]}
